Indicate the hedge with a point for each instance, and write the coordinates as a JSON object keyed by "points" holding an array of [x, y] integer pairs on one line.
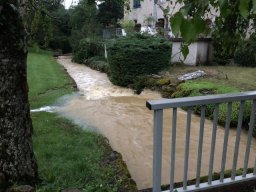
{"points": [[246, 54], [86, 49], [138, 55], [61, 43]]}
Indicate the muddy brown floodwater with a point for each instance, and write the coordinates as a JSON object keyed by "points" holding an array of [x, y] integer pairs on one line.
{"points": [[123, 118]]}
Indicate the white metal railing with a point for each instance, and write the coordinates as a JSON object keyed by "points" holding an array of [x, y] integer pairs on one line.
{"points": [[159, 105]]}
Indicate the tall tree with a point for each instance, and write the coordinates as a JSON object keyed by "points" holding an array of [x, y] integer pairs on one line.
{"points": [[17, 160], [83, 21], [110, 11]]}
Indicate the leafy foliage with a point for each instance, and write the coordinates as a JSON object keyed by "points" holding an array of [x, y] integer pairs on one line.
{"points": [[191, 88], [234, 18], [110, 11], [41, 29], [84, 22], [128, 25], [61, 43], [48, 24], [98, 63], [130, 57], [246, 54], [86, 49]]}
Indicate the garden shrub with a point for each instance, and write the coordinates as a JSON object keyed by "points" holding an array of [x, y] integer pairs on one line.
{"points": [[138, 55], [190, 89], [61, 43], [246, 54], [98, 63], [86, 49]]}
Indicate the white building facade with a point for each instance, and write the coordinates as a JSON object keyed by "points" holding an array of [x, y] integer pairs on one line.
{"points": [[149, 12]]}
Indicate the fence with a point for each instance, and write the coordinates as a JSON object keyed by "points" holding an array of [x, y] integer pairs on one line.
{"points": [[201, 101]]}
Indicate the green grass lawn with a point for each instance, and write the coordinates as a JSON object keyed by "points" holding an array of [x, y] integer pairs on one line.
{"points": [[67, 156], [47, 80]]}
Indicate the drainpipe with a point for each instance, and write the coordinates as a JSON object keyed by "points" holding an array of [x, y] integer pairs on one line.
{"points": [[154, 15]]}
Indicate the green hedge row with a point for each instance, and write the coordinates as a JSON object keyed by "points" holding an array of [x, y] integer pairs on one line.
{"points": [[246, 54], [134, 56], [86, 49]]}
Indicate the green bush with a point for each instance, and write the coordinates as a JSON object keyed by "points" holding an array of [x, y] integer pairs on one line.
{"points": [[189, 89], [61, 43], [86, 49], [246, 54], [138, 55], [98, 63]]}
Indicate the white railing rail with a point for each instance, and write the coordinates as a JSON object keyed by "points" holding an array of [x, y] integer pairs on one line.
{"points": [[159, 105]]}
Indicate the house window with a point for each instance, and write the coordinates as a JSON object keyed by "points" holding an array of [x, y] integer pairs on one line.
{"points": [[136, 4]]}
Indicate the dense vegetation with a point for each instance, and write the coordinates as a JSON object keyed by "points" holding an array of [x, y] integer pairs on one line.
{"points": [[69, 157], [201, 88], [51, 26], [86, 49], [245, 55], [135, 56]]}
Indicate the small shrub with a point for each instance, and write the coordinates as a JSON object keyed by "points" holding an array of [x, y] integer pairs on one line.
{"points": [[61, 43], [130, 57], [128, 25], [86, 49], [98, 63], [246, 54], [189, 89]]}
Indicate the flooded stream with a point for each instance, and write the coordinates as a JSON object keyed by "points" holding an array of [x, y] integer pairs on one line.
{"points": [[123, 118]]}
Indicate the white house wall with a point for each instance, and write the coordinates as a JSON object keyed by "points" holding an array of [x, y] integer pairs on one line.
{"points": [[178, 57], [146, 10]]}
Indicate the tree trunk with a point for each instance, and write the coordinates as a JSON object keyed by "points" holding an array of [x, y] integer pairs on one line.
{"points": [[17, 160]]}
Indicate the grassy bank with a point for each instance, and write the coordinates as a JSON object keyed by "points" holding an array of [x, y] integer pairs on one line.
{"points": [[67, 156], [219, 80], [242, 78], [47, 80]]}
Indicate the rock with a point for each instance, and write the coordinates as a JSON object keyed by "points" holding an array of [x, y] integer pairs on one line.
{"points": [[193, 75], [22, 188], [155, 76]]}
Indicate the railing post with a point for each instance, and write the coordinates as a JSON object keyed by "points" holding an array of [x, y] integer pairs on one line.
{"points": [[214, 131], [158, 107], [173, 147], [238, 133], [200, 146], [185, 178], [249, 139], [225, 143], [157, 150]]}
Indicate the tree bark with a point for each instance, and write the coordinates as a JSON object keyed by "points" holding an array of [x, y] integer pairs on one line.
{"points": [[17, 160]]}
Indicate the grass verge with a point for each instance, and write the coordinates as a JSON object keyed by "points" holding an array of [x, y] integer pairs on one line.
{"points": [[67, 156], [242, 78], [47, 80]]}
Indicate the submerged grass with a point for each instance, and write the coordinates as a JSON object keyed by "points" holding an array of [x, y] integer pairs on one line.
{"points": [[69, 157]]}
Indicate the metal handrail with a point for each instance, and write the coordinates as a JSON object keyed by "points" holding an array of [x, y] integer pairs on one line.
{"points": [[159, 105]]}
